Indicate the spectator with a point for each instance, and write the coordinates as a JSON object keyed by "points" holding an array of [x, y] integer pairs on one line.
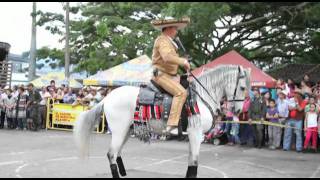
{"points": [[69, 97], [33, 107], [103, 92], [311, 101], [306, 90], [21, 108], [245, 131], [15, 91], [45, 95], [257, 112], [216, 130], [60, 94], [227, 111], [8, 103], [267, 99], [295, 120], [94, 98], [52, 86], [283, 109], [274, 131], [79, 98], [316, 89], [3, 96], [307, 81], [280, 84], [311, 126], [291, 87]]}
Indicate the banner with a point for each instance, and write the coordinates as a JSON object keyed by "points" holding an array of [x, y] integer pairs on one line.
{"points": [[66, 114]]}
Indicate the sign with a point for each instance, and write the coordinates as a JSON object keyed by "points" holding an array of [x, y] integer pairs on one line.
{"points": [[66, 114]]}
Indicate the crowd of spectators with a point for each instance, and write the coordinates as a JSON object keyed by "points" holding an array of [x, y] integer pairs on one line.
{"points": [[293, 106], [25, 108]]}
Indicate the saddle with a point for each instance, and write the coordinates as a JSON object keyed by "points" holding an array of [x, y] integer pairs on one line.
{"points": [[155, 103]]}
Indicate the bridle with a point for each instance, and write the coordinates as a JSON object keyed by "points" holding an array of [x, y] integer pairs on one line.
{"points": [[234, 100]]}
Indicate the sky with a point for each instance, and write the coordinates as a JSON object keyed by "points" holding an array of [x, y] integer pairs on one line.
{"points": [[15, 27]]}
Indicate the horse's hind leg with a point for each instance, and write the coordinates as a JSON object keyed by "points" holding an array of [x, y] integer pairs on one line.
{"points": [[117, 141], [122, 170]]}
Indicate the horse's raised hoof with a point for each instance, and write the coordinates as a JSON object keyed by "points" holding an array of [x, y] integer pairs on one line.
{"points": [[114, 171], [192, 172], [122, 170]]}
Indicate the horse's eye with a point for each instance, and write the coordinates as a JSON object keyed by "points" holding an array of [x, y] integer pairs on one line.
{"points": [[242, 88]]}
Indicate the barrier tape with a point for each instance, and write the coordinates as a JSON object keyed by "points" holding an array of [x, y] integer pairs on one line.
{"points": [[266, 123]]}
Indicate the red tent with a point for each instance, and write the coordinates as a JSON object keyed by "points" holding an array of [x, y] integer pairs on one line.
{"points": [[258, 77]]}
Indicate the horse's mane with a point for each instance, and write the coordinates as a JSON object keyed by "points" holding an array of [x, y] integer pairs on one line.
{"points": [[214, 80]]}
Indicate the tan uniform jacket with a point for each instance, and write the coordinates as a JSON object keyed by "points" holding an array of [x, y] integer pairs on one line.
{"points": [[165, 56]]}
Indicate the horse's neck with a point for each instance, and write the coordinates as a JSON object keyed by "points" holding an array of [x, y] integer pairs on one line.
{"points": [[216, 89]]}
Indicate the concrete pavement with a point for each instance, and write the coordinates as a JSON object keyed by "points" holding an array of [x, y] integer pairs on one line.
{"points": [[52, 154]]}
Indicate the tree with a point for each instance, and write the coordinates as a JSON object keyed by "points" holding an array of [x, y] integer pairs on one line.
{"points": [[269, 34]]}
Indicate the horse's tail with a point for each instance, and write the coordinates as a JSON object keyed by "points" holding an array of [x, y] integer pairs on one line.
{"points": [[84, 125]]}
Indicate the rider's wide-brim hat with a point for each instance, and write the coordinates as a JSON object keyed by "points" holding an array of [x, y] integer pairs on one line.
{"points": [[162, 23]]}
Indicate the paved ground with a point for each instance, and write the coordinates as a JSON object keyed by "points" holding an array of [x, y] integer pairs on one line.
{"points": [[51, 154]]}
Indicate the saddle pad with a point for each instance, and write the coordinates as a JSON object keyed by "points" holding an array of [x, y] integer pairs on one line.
{"points": [[146, 96]]}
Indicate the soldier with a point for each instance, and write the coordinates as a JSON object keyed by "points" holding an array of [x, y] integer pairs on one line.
{"points": [[166, 61]]}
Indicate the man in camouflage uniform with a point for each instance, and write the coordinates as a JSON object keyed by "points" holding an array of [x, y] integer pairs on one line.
{"points": [[33, 107]]}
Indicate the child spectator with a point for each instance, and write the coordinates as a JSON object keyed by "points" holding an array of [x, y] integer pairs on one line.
{"points": [[311, 126], [274, 131], [312, 100]]}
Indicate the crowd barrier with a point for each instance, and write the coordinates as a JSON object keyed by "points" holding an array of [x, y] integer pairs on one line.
{"points": [[62, 116]]}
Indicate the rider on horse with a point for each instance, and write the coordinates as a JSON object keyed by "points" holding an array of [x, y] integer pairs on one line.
{"points": [[166, 61]]}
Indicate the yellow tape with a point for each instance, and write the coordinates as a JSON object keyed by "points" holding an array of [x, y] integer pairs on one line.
{"points": [[263, 123]]}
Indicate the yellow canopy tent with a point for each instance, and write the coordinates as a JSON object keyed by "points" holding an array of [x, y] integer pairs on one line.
{"points": [[58, 77], [134, 72]]}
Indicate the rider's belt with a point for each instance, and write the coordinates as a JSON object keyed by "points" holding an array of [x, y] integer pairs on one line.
{"points": [[157, 72]]}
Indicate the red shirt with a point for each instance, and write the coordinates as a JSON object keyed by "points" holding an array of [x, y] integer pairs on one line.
{"points": [[298, 115]]}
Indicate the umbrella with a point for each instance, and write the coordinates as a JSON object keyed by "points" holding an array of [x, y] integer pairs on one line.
{"points": [[58, 77], [134, 72]]}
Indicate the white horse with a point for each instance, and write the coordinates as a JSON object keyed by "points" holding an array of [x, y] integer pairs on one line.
{"points": [[119, 107]]}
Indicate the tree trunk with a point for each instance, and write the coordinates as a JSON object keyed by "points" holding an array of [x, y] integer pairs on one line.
{"points": [[33, 48], [67, 49]]}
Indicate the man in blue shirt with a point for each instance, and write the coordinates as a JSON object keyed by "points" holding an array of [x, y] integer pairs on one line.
{"points": [[70, 97]]}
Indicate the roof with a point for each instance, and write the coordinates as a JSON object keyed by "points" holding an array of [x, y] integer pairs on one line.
{"points": [[16, 58], [134, 72], [258, 77], [297, 71], [5, 46]]}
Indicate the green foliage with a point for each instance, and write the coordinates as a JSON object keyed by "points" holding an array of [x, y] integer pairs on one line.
{"points": [[268, 33]]}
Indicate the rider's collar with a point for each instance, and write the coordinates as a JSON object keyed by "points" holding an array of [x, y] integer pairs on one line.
{"points": [[172, 41]]}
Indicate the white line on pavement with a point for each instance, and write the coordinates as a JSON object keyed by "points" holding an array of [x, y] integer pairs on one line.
{"points": [[315, 172], [10, 162]]}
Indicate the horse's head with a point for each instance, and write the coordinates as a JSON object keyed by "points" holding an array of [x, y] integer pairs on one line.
{"points": [[235, 91], [225, 80]]}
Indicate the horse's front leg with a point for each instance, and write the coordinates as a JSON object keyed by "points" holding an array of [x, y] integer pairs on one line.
{"points": [[195, 138]]}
